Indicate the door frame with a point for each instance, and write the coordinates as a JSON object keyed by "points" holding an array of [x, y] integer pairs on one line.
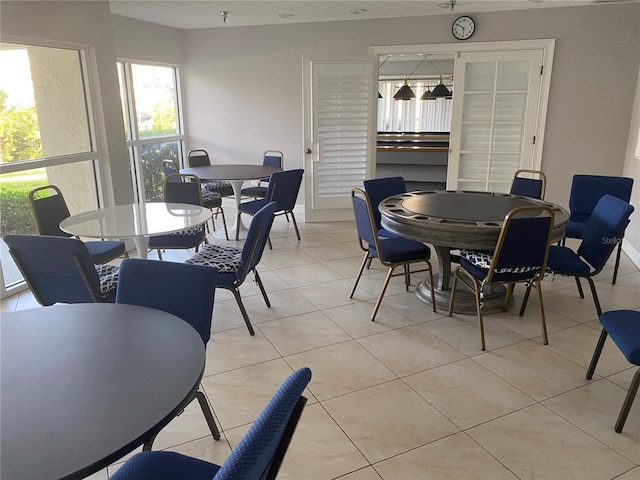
{"points": [[546, 45]]}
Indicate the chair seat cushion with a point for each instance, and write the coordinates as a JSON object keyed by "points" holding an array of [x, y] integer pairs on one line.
{"points": [[483, 259], [257, 192], [225, 259], [210, 197], [574, 229], [222, 187], [623, 326], [108, 277], [104, 251], [252, 207], [398, 249], [163, 465], [563, 260]]}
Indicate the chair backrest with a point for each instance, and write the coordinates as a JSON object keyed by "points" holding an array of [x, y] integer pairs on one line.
{"points": [[198, 158], [365, 225], [531, 187], [181, 188], [256, 239], [56, 269], [184, 290], [259, 454], [283, 189], [523, 245], [586, 191], [604, 228], [170, 167], [273, 158], [48, 211], [380, 188]]}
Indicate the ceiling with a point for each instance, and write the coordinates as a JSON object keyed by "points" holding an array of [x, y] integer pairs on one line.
{"points": [[186, 14]]}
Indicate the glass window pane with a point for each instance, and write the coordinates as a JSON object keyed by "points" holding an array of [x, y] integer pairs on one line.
{"points": [[507, 138], [123, 99], [151, 157], [480, 76], [43, 111], [514, 75], [511, 107], [477, 107], [475, 137], [154, 92], [473, 166]]}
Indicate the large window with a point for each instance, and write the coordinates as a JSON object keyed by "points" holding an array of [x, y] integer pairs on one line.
{"points": [[46, 137], [151, 109]]}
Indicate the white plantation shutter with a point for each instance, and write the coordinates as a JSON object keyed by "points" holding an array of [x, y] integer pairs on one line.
{"points": [[496, 110], [342, 131]]}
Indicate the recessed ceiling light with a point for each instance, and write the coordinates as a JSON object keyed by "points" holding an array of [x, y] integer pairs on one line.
{"points": [[358, 11], [285, 15]]}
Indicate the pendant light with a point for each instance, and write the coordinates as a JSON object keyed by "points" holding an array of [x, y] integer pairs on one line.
{"points": [[405, 92], [441, 91], [427, 94]]}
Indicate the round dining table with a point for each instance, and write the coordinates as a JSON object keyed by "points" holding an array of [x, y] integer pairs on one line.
{"points": [[137, 221], [236, 174], [85, 384], [450, 220]]}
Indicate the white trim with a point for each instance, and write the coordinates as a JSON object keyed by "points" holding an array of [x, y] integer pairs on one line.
{"points": [[631, 252]]}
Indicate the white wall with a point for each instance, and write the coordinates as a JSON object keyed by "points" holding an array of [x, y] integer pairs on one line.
{"points": [[631, 244]]}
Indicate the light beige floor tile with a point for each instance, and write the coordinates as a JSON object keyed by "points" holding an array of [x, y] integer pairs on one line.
{"points": [[534, 369], [409, 305], [537, 443], [189, 425], [410, 350], [239, 396], [320, 449], [594, 408], [388, 419], [335, 251], [623, 379], [632, 474], [355, 319], [461, 332], [364, 474], [622, 295], [529, 325], [302, 332], [285, 259], [567, 302], [332, 294], [235, 348], [307, 275], [342, 368], [227, 316], [284, 303], [349, 267], [455, 457], [205, 449], [467, 393]]}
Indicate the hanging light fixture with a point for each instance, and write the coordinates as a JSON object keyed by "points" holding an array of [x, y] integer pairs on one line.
{"points": [[405, 92], [441, 91], [426, 94]]}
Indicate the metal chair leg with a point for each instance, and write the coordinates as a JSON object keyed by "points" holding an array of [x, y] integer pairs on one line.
{"points": [[261, 286], [364, 262], [384, 289], [208, 415], [615, 268], [596, 354], [245, 315], [628, 401], [543, 320]]}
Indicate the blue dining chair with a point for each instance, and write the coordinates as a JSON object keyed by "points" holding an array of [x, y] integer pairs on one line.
{"points": [[378, 189], [586, 191], [271, 158], [234, 264], [258, 456], [61, 270], [391, 252], [186, 291], [600, 236], [283, 190], [200, 158], [520, 256], [48, 211], [529, 183], [186, 189], [623, 326]]}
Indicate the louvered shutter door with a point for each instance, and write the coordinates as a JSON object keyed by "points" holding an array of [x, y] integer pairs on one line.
{"points": [[496, 110]]}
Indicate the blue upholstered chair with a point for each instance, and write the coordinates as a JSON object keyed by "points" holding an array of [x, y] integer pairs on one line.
{"points": [[60, 270], [586, 191], [271, 158], [200, 158], [181, 189], [520, 256], [283, 190], [378, 189], [186, 291], [258, 456], [532, 186], [601, 233], [623, 326], [392, 252], [49, 211], [234, 264]]}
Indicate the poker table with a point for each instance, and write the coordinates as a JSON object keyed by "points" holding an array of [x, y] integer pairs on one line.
{"points": [[450, 220]]}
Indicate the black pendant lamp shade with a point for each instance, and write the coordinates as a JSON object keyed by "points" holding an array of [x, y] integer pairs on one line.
{"points": [[405, 92], [440, 91], [427, 95]]}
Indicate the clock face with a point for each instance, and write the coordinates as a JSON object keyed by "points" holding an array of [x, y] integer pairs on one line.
{"points": [[463, 27]]}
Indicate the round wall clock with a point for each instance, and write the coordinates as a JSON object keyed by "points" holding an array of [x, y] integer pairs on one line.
{"points": [[463, 27]]}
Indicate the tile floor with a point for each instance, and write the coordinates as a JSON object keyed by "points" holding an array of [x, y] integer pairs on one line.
{"points": [[411, 395]]}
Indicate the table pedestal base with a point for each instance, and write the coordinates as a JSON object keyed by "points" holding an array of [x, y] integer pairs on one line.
{"points": [[465, 301]]}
